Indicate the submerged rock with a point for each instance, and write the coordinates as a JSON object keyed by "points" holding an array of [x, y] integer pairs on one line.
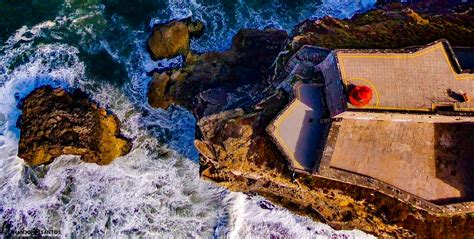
{"points": [[55, 123], [173, 38]]}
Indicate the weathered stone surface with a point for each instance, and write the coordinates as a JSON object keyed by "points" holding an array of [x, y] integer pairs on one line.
{"points": [[55, 123], [156, 94], [169, 40], [248, 62], [391, 26], [237, 153], [173, 38]]}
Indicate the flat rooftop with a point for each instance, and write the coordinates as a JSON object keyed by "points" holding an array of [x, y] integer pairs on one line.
{"points": [[406, 81], [405, 117], [297, 130], [430, 160], [400, 144]]}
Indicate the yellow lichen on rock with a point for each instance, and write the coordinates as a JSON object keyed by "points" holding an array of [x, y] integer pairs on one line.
{"points": [[419, 19], [56, 123], [40, 157], [111, 146], [169, 40], [157, 91]]}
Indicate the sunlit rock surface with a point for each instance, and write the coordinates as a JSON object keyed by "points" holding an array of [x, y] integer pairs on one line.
{"points": [[171, 39], [56, 123]]}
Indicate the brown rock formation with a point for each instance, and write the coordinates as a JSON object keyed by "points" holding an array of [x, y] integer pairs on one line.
{"points": [[172, 39], [237, 153], [220, 74], [391, 26], [156, 94], [56, 123]]}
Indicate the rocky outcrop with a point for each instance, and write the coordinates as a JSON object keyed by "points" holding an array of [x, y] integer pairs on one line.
{"points": [[225, 93], [217, 81], [54, 123], [157, 92], [391, 26], [173, 38]]}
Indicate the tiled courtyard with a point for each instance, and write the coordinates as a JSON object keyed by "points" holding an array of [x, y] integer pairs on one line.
{"points": [[425, 159], [407, 81]]}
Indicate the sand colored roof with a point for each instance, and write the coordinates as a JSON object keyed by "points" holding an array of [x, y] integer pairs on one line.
{"points": [[297, 130], [432, 161], [405, 117], [407, 80]]}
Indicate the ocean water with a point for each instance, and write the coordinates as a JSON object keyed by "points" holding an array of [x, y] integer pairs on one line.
{"points": [[155, 191]]}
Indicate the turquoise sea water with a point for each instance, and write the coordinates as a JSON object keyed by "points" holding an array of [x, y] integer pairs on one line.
{"points": [[155, 191]]}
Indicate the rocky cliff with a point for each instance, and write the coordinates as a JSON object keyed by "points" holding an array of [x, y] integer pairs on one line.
{"points": [[55, 123], [237, 154], [391, 26], [235, 100], [216, 81]]}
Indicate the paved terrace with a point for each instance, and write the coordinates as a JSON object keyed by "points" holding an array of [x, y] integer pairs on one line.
{"points": [[406, 81], [431, 161], [297, 130], [405, 117]]}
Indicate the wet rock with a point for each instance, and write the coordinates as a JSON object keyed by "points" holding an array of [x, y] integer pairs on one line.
{"points": [[55, 123], [172, 39], [248, 62], [196, 28], [156, 93]]}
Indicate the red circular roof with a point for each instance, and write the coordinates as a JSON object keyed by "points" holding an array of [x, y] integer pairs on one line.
{"points": [[360, 96]]}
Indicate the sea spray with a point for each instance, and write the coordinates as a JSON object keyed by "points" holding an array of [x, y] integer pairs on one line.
{"points": [[155, 190]]}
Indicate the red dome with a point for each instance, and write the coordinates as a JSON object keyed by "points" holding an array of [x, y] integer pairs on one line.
{"points": [[360, 96]]}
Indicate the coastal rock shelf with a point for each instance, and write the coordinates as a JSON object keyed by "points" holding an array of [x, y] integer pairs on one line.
{"points": [[236, 94], [55, 122], [216, 81]]}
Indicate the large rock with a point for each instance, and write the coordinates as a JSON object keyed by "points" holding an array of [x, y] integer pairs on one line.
{"points": [[55, 123], [222, 74], [173, 38], [156, 94]]}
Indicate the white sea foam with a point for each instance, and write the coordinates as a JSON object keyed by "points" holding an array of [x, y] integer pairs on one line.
{"points": [[343, 8], [255, 217], [154, 191], [221, 26], [151, 191]]}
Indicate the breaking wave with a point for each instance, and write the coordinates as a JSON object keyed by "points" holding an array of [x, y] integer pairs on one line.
{"points": [[224, 18], [155, 190]]}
